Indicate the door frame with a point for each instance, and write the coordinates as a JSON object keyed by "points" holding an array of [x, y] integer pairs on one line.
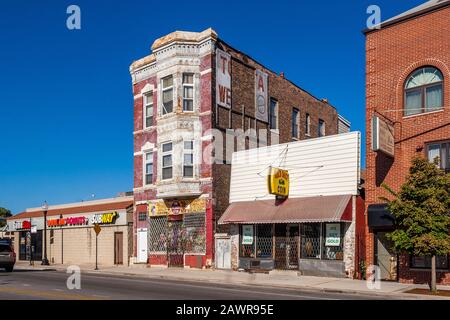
{"points": [[375, 253], [118, 250]]}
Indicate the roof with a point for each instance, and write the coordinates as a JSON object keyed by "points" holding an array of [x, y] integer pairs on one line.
{"points": [[91, 206], [292, 210], [424, 8]]}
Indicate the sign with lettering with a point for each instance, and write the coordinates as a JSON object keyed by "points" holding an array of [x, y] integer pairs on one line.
{"points": [[261, 90], [173, 207], [278, 182], [71, 221], [223, 79], [332, 235], [382, 136], [104, 218], [247, 234], [22, 225]]}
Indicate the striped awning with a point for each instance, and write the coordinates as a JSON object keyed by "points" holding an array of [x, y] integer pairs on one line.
{"points": [[297, 210]]}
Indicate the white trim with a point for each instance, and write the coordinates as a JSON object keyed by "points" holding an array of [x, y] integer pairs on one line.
{"points": [[207, 137], [205, 71]]}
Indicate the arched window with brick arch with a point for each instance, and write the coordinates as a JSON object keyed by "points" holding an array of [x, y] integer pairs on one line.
{"points": [[424, 91]]}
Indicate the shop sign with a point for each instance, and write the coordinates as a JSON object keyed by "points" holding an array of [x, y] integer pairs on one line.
{"points": [[382, 136], [278, 182], [72, 221], [174, 207], [261, 108], [223, 79], [22, 225], [34, 229], [105, 218], [247, 234], [332, 235]]}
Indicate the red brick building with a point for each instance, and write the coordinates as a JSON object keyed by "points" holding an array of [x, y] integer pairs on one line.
{"points": [[194, 89], [408, 90]]}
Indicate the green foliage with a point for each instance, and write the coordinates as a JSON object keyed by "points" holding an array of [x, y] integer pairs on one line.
{"points": [[422, 211], [4, 213]]}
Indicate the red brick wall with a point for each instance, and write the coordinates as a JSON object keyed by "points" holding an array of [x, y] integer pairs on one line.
{"points": [[392, 54]]}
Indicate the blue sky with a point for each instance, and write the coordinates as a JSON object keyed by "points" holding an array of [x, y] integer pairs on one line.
{"points": [[66, 107]]}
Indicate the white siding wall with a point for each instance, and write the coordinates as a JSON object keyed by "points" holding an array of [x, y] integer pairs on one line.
{"points": [[324, 166]]}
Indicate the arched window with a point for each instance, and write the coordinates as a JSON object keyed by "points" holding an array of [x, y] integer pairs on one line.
{"points": [[424, 91]]}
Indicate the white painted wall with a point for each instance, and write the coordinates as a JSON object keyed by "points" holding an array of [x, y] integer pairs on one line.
{"points": [[323, 166]]}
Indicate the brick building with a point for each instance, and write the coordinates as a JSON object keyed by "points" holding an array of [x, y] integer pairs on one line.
{"points": [[408, 99], [191, 90]]}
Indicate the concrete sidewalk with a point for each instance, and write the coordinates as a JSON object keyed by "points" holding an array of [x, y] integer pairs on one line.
{"points": [[284, 279]]}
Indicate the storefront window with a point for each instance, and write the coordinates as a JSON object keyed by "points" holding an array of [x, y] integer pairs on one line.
{"points": [[310, 241], [247, 241], [333, 241], [264, 241], [425, 262]]}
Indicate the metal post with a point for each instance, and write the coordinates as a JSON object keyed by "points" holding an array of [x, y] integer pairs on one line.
{"points": [[31, 244], [45, 260], [96, 251], [62, 242]]}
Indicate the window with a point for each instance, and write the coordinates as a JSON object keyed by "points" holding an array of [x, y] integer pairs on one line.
{"points": [[148, 110], [273, 114], [148, 168], [441, 151], [321, 128], [167, 93], [167, 161], [188, 92], [247, 241], [425, 262], [188, 159], [308, 125], [142, 216], [310, 241], [424, 91], [295, 114]]}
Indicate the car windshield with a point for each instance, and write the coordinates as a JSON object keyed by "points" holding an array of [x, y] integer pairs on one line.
{"points": [[5, 248]]}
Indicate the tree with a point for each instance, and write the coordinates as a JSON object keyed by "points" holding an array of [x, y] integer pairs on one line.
{"points": [[4, 213], [422, 213]]}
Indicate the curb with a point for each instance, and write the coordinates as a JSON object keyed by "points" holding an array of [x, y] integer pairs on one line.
{"points": [[396, 294]]}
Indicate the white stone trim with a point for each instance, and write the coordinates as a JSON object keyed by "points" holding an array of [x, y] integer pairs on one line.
{"points": [[206, 71]]}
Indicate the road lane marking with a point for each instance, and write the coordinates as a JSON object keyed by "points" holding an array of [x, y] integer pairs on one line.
{"points": [[47, 294]]}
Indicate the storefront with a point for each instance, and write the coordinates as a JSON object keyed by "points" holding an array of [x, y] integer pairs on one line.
{"points": [[71, 238], [177, 232], [298, 207]]}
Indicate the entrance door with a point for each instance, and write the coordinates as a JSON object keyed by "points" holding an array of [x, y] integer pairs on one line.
{"points": [[286, 246], [175, 249], [118, 248], [386, 259], [142, 253], [223, 253]]}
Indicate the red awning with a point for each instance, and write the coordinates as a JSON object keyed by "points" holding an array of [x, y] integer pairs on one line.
{"points": [[298, 210]]}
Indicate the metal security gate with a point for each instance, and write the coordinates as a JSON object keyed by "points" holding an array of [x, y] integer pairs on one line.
{"points": [[174, 236], [286, 246]]}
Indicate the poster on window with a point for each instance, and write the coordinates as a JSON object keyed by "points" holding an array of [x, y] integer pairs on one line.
{"points": [[332, 235], [247, 234], [262, 106], [223, 79]]}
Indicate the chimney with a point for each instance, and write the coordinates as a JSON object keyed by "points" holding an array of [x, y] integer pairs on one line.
{"points": [[282, 74]]}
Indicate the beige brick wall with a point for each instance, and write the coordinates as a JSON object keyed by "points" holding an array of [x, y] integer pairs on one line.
{"points": [[79, 245]]}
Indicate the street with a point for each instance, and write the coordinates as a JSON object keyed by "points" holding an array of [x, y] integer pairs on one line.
{"points": [[51, 285]]}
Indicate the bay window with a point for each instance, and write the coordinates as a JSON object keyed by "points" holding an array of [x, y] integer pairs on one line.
{"points": [[188, 92], [167, 95], [167, 161], [188, 159]]}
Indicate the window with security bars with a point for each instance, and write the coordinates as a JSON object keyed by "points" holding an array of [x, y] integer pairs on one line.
{"points": [[264, 241], [310, 240], [157, 235], [142, 216], [195, 233]]}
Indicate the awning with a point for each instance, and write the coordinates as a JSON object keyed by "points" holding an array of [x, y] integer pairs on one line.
{"points": [[297, 210], [379, 216]]}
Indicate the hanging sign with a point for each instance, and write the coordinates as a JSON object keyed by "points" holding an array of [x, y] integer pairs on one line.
{"points": [[278, 182], [247, 234], [382, 136], [223, 79], [332, 235], [261, 107]]}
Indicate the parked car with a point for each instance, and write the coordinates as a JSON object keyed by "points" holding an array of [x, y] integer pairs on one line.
{"points": [[7, 256]]}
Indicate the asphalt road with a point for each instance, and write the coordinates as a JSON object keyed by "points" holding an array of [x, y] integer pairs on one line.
{"points": [[44, 285]]}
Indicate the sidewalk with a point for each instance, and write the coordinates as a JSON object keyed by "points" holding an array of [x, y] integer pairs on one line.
{"points": [[274, 279]]}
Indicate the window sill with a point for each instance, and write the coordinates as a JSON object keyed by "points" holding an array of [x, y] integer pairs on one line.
{"points": [[423, 114], [276, 131], [295, 139], [427, 269]]}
